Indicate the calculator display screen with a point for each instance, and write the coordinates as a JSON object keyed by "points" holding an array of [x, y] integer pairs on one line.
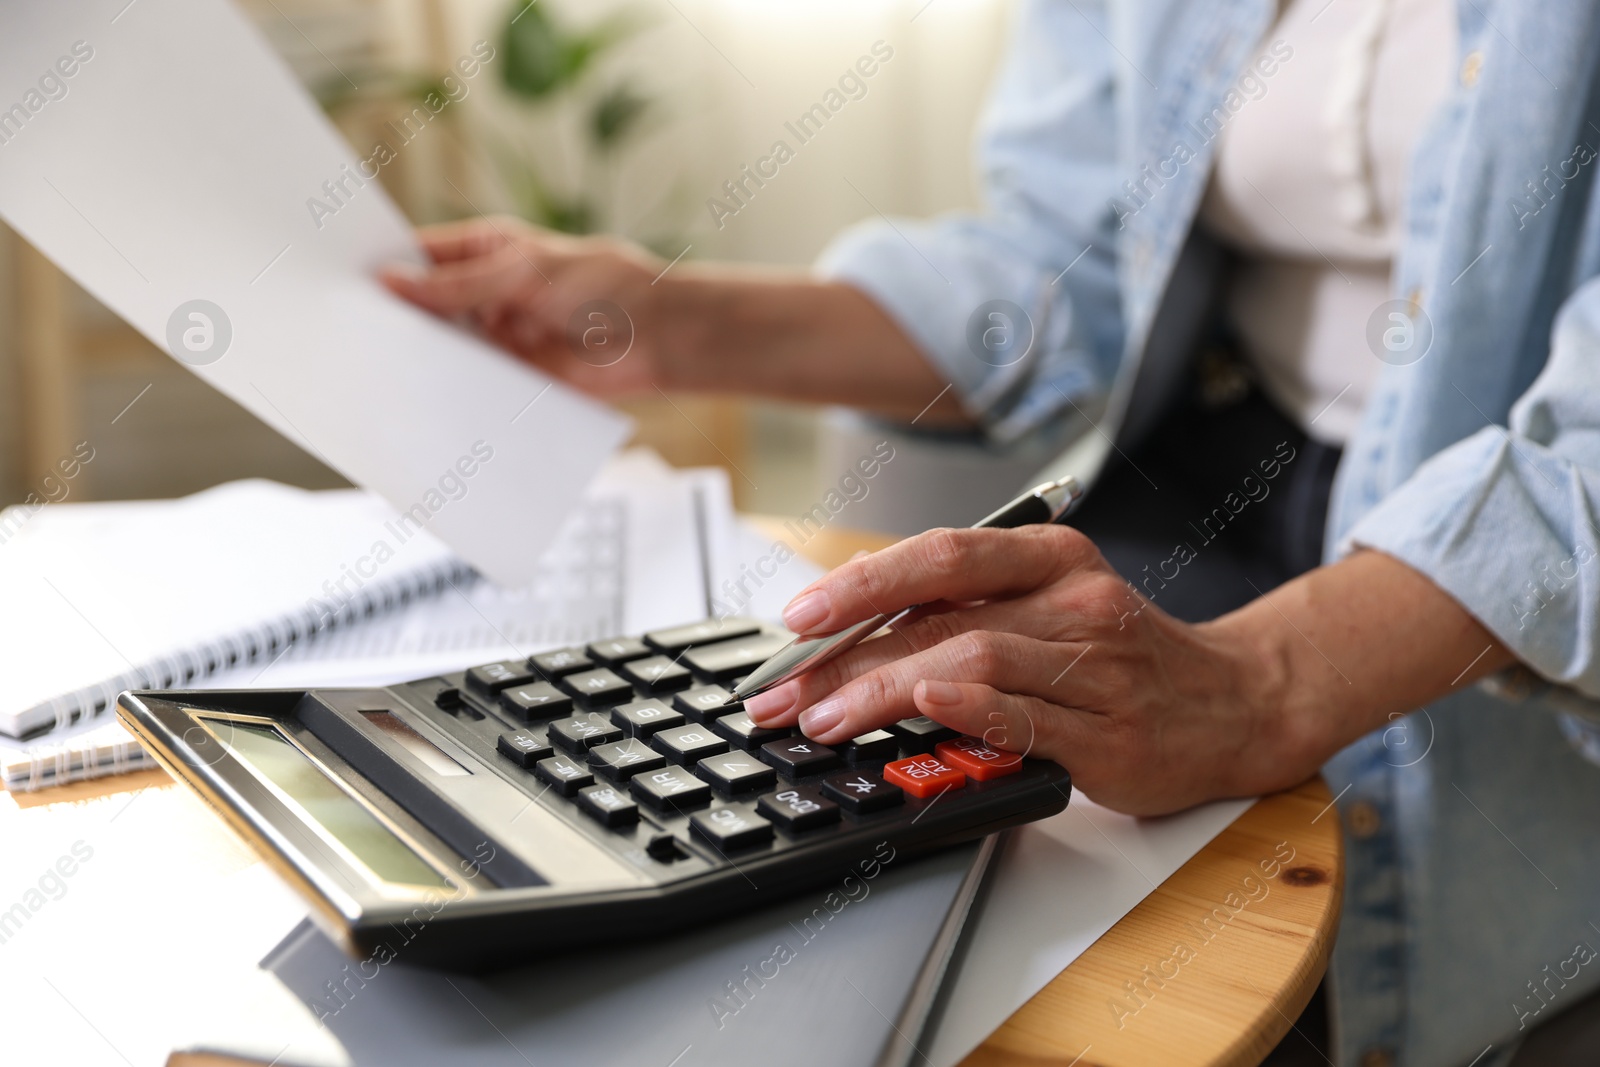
{"points": [[270, 756]]}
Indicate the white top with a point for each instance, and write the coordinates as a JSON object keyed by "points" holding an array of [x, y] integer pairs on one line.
{"points": [[1308, 185]]}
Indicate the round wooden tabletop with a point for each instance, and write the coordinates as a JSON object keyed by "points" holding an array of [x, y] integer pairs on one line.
{"points": [[1213, 966]]}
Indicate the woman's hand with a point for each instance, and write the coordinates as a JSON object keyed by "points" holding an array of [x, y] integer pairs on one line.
{"points": [[1035, 644], [582, 308], [613, 319]]}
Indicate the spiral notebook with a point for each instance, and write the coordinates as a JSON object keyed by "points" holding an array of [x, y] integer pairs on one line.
{"points": [[153, 594], [221, 590]]}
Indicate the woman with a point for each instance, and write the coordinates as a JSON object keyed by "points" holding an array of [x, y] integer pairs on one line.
{"points": [[1399, 198]]}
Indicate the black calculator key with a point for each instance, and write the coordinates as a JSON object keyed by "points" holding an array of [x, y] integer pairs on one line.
{"points": [[797, 809], [673, 789], [689, 744], [539, 700], [624, 759], [797, 757], [731, 828], [583, 732], [609, 804], [705, 703], [524, 749], [561, 662], [737, 772], [679, 638], [564, 774], [644, 717], [658, 674], [728, 660], [742, 730], [862, 792], [617, 650], [598, 688], [871, 747], [920, 734], [493, 677]]}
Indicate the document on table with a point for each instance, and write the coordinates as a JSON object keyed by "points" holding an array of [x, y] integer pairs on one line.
{"points": [[1059, 885], [165, 158]]}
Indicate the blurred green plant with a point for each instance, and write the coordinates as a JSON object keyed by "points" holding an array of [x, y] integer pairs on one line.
{"points": [[581, 114], [553, 69]]}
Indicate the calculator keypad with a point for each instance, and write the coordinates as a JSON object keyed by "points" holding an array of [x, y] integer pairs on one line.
{"points": [[642, 736]]}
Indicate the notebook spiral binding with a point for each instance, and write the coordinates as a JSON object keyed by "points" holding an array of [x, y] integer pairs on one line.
{"points": [[266, 641]]}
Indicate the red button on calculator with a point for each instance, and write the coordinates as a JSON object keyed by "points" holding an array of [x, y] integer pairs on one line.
{"points": [[923, 776], [976, 759]]}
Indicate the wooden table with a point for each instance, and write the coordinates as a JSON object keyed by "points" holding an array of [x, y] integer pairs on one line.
{"points": [[1233, 1001], [1228, 1005]]}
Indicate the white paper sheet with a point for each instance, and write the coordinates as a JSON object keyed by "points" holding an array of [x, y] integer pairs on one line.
{"points": [[1060, 884], [175, 163]]}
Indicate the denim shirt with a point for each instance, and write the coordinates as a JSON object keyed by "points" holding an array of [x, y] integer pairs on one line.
{"points": [[1471, 825]]}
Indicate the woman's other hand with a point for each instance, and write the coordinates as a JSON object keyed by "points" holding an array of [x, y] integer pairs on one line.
{"points": [[581, 308]]}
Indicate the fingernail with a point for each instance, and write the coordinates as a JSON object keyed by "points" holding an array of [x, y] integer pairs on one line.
{"points": [[806, 611], [771, 704], [942, 693], [823, 717]]}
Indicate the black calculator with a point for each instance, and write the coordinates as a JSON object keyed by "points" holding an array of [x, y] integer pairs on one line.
{"points": [[595, 794]]}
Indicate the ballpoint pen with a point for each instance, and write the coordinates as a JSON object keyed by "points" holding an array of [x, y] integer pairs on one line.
{"points": [[1041, 504]]}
